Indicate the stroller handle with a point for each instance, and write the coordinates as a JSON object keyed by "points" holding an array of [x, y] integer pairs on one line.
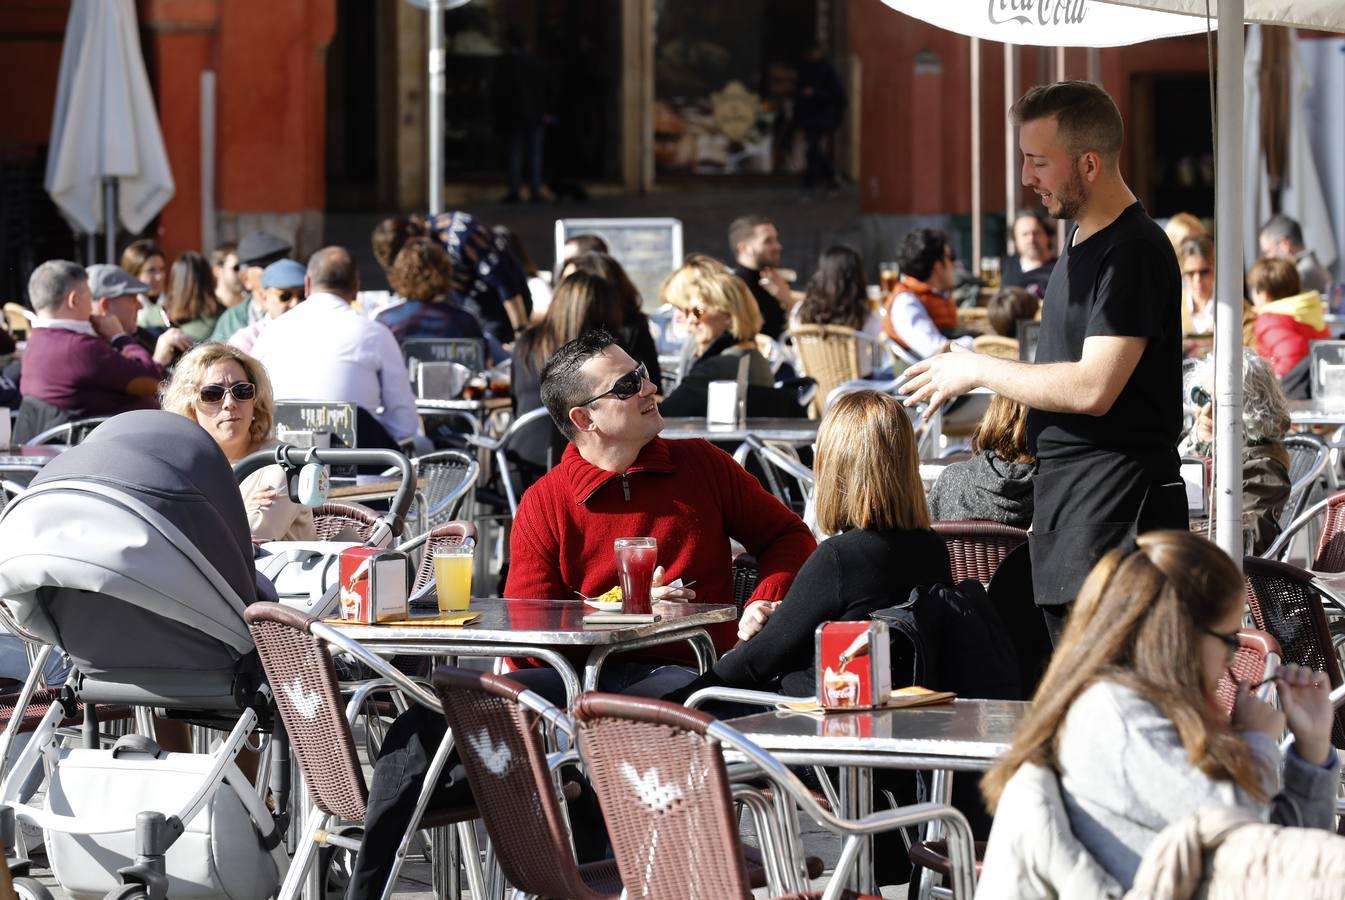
{"points": [[297, 456]]}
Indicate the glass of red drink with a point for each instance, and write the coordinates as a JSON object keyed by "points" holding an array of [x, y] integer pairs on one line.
{"points": [[635, 562]]}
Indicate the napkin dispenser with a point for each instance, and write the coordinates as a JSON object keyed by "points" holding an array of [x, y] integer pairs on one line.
{"points": [[374, 585], [854, 666]]}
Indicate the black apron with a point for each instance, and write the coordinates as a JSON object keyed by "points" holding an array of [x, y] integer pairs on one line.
{"points": [[1087, 504]]}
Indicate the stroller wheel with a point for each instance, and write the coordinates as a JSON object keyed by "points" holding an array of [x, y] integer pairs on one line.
{"points": [[31, 889], [127, 892], [335, 864]]}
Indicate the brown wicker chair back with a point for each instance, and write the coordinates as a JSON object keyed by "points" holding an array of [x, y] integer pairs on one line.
{"points": [[977, 548], [308, 696], [343, 521], [665, 795], [1248, 665], [502, 751], [828, 354], [449, 534], [1330, 556]]}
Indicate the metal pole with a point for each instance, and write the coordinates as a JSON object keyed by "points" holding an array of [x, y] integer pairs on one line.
{"points": [[1228, 284], [208, 234], [438, 85], [1010, 144], [976, 155], [1060, 226], [110, 220]]}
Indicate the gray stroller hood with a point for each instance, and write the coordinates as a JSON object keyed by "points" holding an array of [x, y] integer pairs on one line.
{"points": [[131, 551]]}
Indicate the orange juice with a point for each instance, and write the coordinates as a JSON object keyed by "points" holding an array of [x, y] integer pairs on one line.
{"points": [[453, 578]]}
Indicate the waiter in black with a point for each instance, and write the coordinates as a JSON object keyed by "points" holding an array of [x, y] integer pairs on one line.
{"points": [[1105, 391]]}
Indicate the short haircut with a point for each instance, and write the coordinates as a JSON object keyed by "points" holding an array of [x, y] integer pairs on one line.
{"points": [[223, 250], [1028, 212], [706, 282], [1277, 277], [1199, 245], [333, 269], [563, 385], [1003, 431], [588, 243], [137, 253], [1086, 117], [920, 250], [868, 466], [421, 271], [391, 234], [1007, 307], [179, 394], [742, 228], [1281, 227], [190, 294], [52, 281]]}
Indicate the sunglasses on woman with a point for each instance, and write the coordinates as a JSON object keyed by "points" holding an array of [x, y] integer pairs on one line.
{"points": [[626, 386], [1200, 396], [241, 390]]}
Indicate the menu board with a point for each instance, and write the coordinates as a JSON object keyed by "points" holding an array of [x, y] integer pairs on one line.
{"points": [[648, 249], [471, 352], [316, 416]]}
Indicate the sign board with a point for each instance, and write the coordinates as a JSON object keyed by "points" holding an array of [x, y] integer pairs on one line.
{"points": [[470, 352], [648, 249], [310, 416]]}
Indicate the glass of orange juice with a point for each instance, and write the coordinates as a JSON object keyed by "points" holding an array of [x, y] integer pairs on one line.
{"points": [[453, 577]]}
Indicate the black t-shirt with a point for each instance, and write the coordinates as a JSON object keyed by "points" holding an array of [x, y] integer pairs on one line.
{"points": [[772, 313], [1033, 282], [1122, 281]]}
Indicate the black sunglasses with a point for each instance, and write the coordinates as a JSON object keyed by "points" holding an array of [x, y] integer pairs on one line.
{"points": [[241, 390], [1200, 396], [1230, 640], [289, 294], [626, 386]]}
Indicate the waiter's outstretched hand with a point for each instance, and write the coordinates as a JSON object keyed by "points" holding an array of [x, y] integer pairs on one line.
{"points": [[942, 377]]}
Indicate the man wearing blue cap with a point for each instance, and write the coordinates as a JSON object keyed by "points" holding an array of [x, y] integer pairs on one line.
{"points": [[282, 290], [256, 251]]}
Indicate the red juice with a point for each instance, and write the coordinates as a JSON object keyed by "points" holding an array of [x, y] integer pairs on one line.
{"points": [[635, 569]]}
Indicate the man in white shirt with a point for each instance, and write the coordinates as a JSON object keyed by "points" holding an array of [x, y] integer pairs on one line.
{"points": [[325, 350], [921, 314]]}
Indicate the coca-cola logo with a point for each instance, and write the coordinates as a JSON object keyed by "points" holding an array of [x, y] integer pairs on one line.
{"points": [[1037, 12]]}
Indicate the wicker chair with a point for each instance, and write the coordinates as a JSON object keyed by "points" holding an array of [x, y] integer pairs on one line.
{"points": [[448, 477], [996, 345], [1330, 553], [1307, 458], [71, 433], [659, 773], [449, 534], [1285, 603], [977, 548], [344, 521], [498, 722], [830, 355], [1256, 660], [294, 652], [746, 574]]}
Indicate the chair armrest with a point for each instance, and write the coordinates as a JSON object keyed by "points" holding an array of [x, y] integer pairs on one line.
{"points": [[738, 695], [480, 440], [1277, 549]]}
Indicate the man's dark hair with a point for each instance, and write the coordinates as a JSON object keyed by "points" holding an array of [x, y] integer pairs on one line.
{"points": [[1027, 212], [741, 228], [588, 243], [563, 387], [1199, 245], [1281, 227], [1085, 115], [333, 269], [1007, 307], [920, 250], [223, 250]]}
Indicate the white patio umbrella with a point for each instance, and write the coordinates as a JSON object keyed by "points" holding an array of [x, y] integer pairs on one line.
{"points": [[106, 160]]}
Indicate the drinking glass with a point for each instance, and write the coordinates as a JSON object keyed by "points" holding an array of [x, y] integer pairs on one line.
{"points": [[635, 562], [889, 273], [453, 577]]}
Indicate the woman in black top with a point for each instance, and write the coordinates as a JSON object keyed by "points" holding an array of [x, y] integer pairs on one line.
{"points": [[869, 494]]}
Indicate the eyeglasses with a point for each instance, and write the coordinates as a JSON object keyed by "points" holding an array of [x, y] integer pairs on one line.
{"points": [[238, 267], [1200, 396], [1230, 641], [289, 294], [696, 313], [241, 390], [1198, 273], [626, 386]]}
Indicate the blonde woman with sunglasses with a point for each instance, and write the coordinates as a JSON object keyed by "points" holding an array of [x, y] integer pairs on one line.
{"points": [[228, 393]]}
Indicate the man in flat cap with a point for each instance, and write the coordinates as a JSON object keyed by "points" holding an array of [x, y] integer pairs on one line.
{"points": [[256, 251], [115, 294]]}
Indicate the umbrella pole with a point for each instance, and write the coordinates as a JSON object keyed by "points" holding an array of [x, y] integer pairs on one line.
{"points": [[1228, 282], [110, 219], [976, 156], [438, 89], [1010, 170]]}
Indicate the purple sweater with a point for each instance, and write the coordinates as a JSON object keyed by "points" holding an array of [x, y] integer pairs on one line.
{"points": [[86, 374]]}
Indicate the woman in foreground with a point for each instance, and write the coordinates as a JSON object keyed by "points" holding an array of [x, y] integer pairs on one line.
{"points": [[1126, 722]]}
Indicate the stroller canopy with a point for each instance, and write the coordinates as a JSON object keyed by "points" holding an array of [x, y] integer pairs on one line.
{"points": [[131, 551]]}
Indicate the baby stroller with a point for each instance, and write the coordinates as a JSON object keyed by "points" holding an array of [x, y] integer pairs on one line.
{"points": [[131, 552]]}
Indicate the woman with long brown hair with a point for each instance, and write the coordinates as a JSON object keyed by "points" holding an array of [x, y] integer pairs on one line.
{"points": [[1126, 721], [189, 301], [995, 485]]}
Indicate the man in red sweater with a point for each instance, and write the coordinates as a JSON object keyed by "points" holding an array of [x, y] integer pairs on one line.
{"points": [[618, 478]]}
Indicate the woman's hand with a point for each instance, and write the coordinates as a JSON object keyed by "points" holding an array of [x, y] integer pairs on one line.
{"points": [[1306, 698], [259, 498], [659, 592], [754, 618], [1254, 714]]}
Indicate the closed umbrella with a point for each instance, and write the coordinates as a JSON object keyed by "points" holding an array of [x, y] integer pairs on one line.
{"points": [[106, 161]]}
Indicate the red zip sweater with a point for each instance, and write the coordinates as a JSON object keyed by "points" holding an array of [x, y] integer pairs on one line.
{"points": [[687, 494]]}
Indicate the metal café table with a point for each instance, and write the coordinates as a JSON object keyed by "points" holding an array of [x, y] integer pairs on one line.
{"points": [[1317, 412], [543, 629], [961, 736], [790, 431], [34, 456]]}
